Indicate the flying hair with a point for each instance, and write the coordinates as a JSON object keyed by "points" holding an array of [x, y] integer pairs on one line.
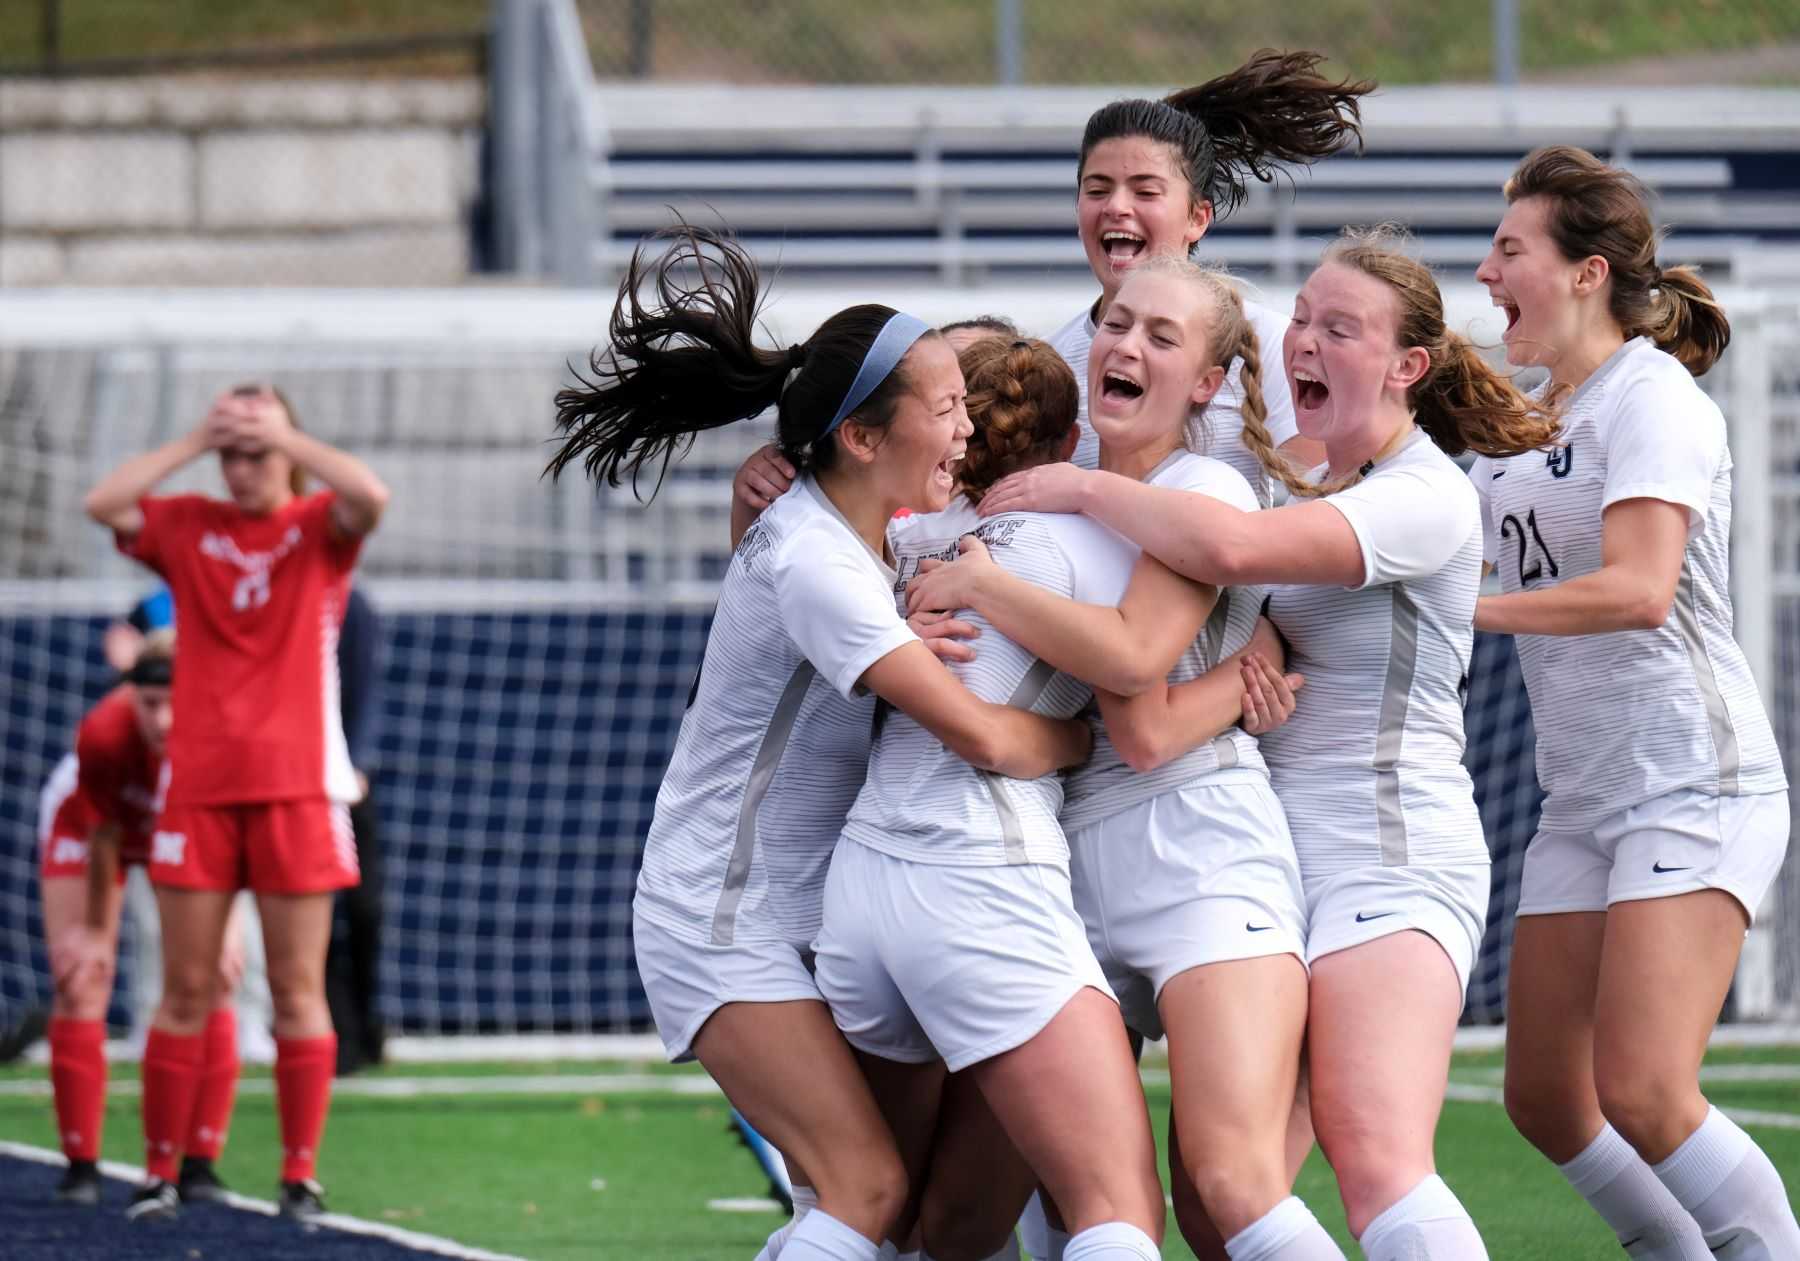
{"points": [[687, 361], [1273, 111]]}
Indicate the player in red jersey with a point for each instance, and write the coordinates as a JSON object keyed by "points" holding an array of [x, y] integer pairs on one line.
{"points": [[258, 776], [96, 817]]}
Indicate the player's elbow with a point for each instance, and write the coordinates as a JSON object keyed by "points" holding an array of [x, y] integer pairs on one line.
{"points": [[375, 502], [100, 507], [984, 747], [1649, 608], [1142, 750]]}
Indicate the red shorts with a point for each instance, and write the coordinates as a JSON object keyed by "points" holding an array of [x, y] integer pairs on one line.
{"points": [[290, 847], [66, 820]]}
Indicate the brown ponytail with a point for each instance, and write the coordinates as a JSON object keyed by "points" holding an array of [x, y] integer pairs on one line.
{"points": [[1601, 210], [1462, 402], [1023, 401]]}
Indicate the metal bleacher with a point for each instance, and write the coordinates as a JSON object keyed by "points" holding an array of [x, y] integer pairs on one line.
{"points": [[971, 184]]}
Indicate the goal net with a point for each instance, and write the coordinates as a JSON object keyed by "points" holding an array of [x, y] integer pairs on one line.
{"points": [[540, 637]]}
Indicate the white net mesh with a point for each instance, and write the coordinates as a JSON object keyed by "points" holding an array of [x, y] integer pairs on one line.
{"points": [[541, 639]]}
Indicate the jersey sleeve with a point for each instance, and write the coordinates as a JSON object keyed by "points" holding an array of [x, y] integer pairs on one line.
{"points": [[1664, 444], [836, 608], [1481, 473], [1409, 521], [167, 519], [1212, 477], [1271, 329]]}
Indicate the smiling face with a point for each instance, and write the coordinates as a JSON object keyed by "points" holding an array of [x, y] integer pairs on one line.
{"points": [[1151, 363], [1530, 280], [1132, 204], [913, 461], [1347, 372]]}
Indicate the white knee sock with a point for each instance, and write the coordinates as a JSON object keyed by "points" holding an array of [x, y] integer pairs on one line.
{"points": [[1111, 1241], [1428, 1223], [1723, 1178], [805, 1201], [1287, 1232], [822, 1237], [1649, 1221]]}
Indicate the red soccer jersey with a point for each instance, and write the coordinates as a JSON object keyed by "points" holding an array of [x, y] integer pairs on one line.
{"points": [[258, 603], [119, 774]]}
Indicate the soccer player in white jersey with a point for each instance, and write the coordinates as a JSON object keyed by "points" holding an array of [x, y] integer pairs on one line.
{"points": [[1153, 178], [1185, 872], [1378, 568], [774, 745], [1667, 815], [950, 924]]}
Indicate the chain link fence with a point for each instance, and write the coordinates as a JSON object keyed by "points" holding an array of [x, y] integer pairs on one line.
{"points": [[1744, 42]]}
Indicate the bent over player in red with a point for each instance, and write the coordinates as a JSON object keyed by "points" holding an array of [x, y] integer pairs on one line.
{"points": [[95, 819], [259, 778]]}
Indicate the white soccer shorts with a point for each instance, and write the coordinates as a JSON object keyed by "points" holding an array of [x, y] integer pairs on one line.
{"points": [[1198, 875], [920, 961], [687, 982], [1677, 843], [1447, 903]]}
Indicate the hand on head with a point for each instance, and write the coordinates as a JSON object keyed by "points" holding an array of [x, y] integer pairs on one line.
{"points": [[250, 420]]}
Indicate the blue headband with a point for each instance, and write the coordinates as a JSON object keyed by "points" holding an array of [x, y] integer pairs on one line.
{"points": [[891, 344]]}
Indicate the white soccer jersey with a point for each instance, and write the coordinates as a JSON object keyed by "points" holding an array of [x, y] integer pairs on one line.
{"points": [[1629, 715], [1369, 768], [1105, 785], [923, 803], [1224, 418], [775, 742]]}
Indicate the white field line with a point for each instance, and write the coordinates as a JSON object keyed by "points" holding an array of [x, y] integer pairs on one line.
{"points": [[335, 1221], [1468, 1092], [646, 1048], [1708, 1073], [429, 1087]]}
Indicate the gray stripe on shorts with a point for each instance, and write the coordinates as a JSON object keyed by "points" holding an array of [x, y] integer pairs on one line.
{"points": [[1024, 696], [768, 757], [1718, 717], [1396, 696]]}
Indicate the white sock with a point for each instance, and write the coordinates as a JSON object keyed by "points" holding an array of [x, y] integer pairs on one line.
{"points": [[1111, 1241], [805, 1201], [1033, 1228], [1287, 1232], [1056, 1243], [822, 1237], [1647, 1218], [1726, 1181], [1428, 1223]]}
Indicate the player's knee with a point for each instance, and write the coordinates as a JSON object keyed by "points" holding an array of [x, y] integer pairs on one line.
{"points": [[84, 997], [1538, 1110], [1374, 1167], [869, 1193], [187, 997], [1236, 1183], [1651, 1111]]}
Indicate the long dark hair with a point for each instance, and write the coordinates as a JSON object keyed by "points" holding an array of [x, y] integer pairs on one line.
{"points": [[689, 362], [1600, 209], [1275, 108]]}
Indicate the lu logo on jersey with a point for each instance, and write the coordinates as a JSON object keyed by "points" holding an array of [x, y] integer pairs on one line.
{"points": [[1560, 460]]}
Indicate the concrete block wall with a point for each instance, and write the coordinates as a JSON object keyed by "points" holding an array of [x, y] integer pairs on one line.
{"points": [[185, 182]]}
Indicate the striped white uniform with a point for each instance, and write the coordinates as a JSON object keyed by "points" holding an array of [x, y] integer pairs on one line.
{"points": [[1224, 417], [921, 801], [1627, 716], [1369, 768], [1105, 785], [775, 742]]}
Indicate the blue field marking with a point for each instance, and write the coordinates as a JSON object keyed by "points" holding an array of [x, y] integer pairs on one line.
{"points": [[34, 1228]]}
